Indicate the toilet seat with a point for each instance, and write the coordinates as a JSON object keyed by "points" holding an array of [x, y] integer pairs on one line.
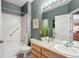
{"points": [[25, 49]]}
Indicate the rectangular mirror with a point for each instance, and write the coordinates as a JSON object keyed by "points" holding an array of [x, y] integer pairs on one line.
{"points": [[61, 22]]}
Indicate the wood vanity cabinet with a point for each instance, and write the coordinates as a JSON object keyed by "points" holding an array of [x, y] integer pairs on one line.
{"points": [[36, 51], [41, 52], [51, 54]]}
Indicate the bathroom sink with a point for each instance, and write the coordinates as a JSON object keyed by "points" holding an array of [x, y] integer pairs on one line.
{"points": [[67, 50], [76, 43]]}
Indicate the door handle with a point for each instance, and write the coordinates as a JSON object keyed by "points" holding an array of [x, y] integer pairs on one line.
{"points": [[1, 41]]}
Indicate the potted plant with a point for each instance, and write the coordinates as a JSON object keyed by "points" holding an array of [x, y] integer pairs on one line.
{"points": [[44, 30]]}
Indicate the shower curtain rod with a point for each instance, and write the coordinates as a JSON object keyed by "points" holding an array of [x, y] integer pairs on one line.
{"points": [[13, 10]]}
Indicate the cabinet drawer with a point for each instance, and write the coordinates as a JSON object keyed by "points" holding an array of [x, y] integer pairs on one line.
{"points": [[36, 47], [51, 54], [43, 56], [33, 56], [37, 54]]}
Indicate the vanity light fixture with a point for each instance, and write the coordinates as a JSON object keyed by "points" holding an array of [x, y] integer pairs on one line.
{"points": [[54, 4]]}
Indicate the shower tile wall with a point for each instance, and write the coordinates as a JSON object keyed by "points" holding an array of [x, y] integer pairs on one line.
{"points": [[11, 20], [11, 43]]}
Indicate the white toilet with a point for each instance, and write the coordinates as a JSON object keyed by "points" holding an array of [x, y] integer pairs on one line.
{"points": [[26, 50]]}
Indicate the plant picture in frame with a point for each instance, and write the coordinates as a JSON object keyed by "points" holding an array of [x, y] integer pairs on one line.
{"points": [[36, 23]]}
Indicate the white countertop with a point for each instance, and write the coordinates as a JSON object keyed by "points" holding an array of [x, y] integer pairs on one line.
{"points": [[51, 46]]}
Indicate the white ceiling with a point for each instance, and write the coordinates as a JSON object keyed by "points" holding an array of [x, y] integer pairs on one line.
{"points": [[18, 2]]}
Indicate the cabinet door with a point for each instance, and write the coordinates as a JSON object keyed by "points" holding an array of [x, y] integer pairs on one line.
{"points": [[36, 47], [63, 27], [36, 51], [50, 54], [33, 56], [37, 54]]}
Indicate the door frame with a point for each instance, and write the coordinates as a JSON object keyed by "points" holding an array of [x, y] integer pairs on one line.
{"points": [[70, 24]]}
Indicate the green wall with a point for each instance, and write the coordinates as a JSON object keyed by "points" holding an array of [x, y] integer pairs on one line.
{"points": [[36, 12], [73, 5], [12, 8]]}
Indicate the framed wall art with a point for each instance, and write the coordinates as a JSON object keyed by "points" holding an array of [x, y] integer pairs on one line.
{"points": [[36, 23]]}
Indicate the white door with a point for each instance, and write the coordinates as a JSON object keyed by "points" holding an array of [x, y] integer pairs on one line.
{"points": [[63, 27]]}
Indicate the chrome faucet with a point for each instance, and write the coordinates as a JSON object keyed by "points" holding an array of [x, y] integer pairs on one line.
{"points": [[68, 43]]}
